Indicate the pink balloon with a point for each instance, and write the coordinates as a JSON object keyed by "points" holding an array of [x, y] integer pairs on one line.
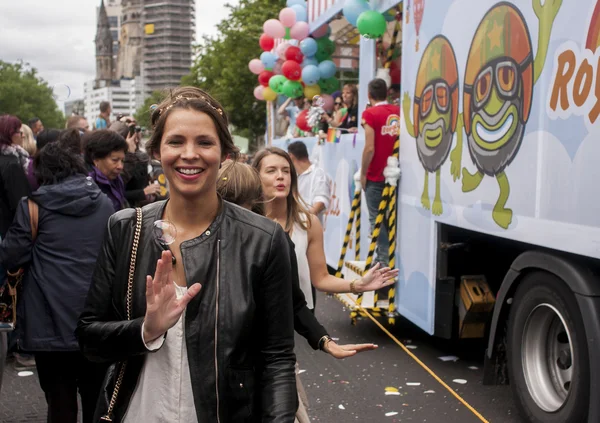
{"points": [[274, 28], [256, 66], [281, 48], [329, 101], [258, 92], [287, 17], [299, 31], [277, 67], [320, 31]]}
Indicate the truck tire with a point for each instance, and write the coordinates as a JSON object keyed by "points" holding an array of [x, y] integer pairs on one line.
{"points": [[548, 360]]}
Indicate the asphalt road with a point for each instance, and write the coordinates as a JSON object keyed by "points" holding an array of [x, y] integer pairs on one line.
{"points": [[354, 389]]}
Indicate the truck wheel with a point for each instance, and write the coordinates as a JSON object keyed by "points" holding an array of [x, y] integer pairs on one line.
{"points": [[548, 360]]}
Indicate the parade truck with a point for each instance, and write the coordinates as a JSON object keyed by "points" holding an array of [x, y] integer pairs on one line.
{"points": [[496, 218]]}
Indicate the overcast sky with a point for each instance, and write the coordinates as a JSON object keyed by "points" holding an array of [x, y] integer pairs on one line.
{"points": [[57, 37]]}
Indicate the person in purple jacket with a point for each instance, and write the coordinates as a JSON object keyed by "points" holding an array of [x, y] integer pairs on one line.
{"points": [[105, 154]]}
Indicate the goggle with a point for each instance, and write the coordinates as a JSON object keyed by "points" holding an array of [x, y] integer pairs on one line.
{"points": [[504, 74], [437, 91]]}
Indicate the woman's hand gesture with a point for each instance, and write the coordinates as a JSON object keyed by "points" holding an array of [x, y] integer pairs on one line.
{"points": [[163, 309], [376, 278], [344, 351]]}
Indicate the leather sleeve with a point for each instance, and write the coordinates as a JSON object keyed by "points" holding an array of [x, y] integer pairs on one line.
{"points": [[103, 333], [305, 322], [16, 247], [278, 381]]}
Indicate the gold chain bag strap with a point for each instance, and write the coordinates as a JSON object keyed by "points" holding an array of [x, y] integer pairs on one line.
{"points": [[136, 241]]}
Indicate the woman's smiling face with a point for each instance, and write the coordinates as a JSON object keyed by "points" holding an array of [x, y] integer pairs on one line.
{"points": [[190, 153]]}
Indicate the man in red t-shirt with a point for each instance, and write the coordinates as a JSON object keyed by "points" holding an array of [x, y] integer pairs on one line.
{"points": [[382, 124]]}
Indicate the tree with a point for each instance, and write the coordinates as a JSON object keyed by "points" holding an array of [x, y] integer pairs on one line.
{"points": [[25, 95], [142, 115], [221, 66]]}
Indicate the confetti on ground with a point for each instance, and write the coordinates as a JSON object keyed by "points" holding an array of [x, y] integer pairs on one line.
{"points": [[391, 389], [392, 393], [411, 347], [335, 339], [301, 371], [341, 407], [460, 381], [413, 383], [431, 391], [25, 373], [449, 358], [345, 382], [391, 413], [473, 368]]}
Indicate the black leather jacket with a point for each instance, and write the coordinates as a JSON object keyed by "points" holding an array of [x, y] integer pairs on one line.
{"points": [[239, 328]]}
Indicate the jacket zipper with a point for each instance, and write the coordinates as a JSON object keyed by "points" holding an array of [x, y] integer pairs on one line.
{"points": [[216, 326]]}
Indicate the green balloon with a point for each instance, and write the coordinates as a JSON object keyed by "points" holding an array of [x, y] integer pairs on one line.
{"points": [[329, 85], [292, 89], [276, 83], [325, 48], [371, 24], [321, 56]]}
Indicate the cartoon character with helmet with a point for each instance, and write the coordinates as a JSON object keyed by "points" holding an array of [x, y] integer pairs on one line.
{"points": [[498, 90], [435, 113]]}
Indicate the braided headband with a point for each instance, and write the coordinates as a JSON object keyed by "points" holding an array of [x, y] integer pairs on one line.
{"points": [[180, 97]]}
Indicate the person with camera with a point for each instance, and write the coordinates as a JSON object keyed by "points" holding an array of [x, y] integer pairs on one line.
{"points": [[139, 190]]}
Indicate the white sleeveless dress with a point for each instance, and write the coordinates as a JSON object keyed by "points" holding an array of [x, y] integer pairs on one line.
{"points": [[300, 239]]}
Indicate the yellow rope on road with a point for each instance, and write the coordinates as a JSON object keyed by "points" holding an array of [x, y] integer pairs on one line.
{"points": [[420, 363]]}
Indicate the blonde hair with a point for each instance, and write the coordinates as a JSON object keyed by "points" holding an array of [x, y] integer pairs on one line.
{"points": [[29, 144], [240, 183], [296, 211]]}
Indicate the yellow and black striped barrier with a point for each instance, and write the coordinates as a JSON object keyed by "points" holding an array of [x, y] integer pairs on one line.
{"points": [[354, 213]]}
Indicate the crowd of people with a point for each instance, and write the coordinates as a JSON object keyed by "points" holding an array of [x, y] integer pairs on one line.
{"points": [[178, 307], [343, 114]]}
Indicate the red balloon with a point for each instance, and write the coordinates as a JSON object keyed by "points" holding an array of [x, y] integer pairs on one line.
{"points": [[263, 78], [295, 54], [266, 43], [302, 121], [292, 70]]}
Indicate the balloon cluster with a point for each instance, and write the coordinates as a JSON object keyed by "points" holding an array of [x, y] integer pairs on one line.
{"points": [[370, 23], [292, 63]]}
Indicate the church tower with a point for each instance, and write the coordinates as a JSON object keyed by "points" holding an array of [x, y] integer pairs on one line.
{"points": [[130, 42], [104, 49]]}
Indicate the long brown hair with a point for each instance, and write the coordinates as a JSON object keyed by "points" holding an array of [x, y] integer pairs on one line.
{"points": [[296, 212], [354, 90]]}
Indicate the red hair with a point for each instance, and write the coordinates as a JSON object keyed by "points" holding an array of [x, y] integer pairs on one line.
{"points": [[9, 125]]}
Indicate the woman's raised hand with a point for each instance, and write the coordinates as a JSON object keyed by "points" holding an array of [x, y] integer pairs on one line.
{"points": [[376, 278], [163, 309]]}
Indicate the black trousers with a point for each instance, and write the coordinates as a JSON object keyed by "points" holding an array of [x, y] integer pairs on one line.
{"points": [[61, 375]]}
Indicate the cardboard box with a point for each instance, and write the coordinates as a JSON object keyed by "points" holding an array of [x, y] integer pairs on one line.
{"points": [[476, 303]]}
